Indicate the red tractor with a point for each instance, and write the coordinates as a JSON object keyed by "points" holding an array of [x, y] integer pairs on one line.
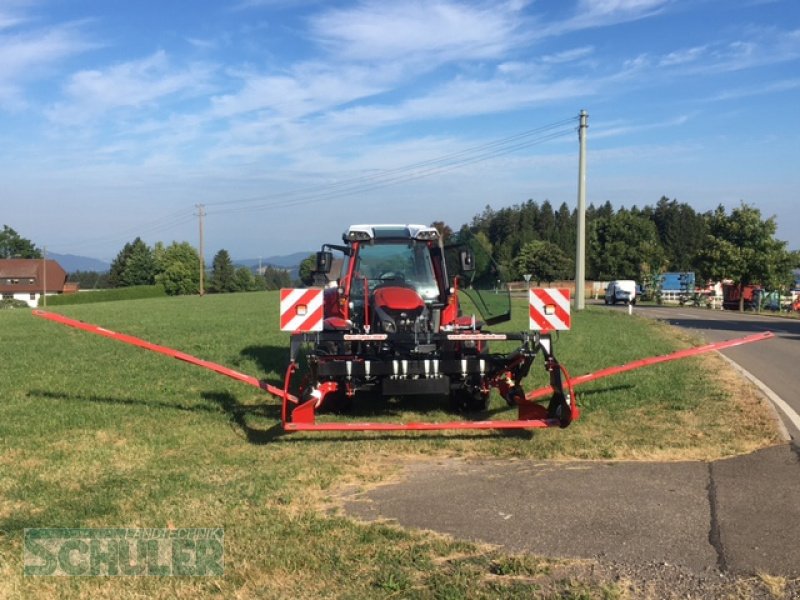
{"points": [[393, 323]]}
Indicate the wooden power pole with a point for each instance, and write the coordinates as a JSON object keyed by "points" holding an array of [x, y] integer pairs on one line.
{"points": [[201, 213], [580, 259]]}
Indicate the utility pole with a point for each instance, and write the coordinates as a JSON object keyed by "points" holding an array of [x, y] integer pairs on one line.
{"points": [[201, 213], [580, 259], [44, 277]]}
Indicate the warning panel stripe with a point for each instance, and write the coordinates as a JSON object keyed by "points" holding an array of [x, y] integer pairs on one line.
{"points": [[289, 306], [290, 299], [539, 298], [561, 301], [539, 319], [301, 322], [558, 300]]}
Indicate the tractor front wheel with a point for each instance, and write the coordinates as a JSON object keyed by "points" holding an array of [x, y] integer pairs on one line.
{"points": [[515, 395], [469, 400]]}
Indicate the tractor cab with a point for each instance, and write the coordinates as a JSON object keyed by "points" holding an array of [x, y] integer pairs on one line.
{"points": [[394, 278], [391, 280]]}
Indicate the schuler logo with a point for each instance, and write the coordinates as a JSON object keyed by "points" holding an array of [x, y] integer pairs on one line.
{"points": [[126, 552]]}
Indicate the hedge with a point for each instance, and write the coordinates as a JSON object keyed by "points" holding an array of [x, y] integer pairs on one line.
{"points": [[136, 292]]}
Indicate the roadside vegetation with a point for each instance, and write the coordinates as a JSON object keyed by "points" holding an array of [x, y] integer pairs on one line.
{"points": [[135, 292], [98, 434], [637, 243], [531, 238]]}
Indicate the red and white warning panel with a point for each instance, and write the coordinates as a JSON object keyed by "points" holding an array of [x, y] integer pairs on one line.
{"points": [[549, 309], [301, 309]]}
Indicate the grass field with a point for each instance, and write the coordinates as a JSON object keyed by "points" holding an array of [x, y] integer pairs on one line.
{"points": [[94, 433]]}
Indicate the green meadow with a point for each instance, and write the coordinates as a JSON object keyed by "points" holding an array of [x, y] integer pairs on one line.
{"points": [[97, 434]]}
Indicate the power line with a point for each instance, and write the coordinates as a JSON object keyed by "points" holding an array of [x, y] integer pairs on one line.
{"points": [[355, 185], [165, 223], [378, 183], [410, 172]]}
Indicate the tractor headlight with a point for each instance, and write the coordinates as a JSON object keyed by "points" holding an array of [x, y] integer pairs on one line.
{"points": [[357, 235], [389, 326], [427, 234]]}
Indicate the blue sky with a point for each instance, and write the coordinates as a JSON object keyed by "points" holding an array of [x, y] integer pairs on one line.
{"points": [[291, 120]]}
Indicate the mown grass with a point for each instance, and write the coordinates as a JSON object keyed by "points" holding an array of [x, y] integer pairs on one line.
{"points": [[94, 433]]}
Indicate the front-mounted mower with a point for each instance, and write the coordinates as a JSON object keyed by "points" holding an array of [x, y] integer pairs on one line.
{"points": [[400, 314]]}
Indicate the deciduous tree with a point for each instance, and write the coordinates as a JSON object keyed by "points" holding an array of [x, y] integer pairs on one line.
{"points": [[742, 247], [179, 270], [12, 245], [681, 231], [306, 270], [623, 246], [544, 261], [134, 265]]}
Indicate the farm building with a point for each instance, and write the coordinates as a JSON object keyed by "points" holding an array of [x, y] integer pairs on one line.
{"points": [[26, 278]]}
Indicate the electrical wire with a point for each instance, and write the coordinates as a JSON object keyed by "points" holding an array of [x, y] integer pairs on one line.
{"points": [[164, 223], [406, 173], [348, 187]]}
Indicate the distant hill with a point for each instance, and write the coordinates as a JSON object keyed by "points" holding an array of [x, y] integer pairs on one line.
{"points": [[71, 263], [288, 261]]}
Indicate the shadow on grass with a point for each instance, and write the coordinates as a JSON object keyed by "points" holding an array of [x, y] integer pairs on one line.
{"points": [[239, 416], [271, 359], [239, 413], [236, 411], [121, 401], [365, 407]]}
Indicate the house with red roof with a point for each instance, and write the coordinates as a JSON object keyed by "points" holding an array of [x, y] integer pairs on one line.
{"points": [[26, 279]]}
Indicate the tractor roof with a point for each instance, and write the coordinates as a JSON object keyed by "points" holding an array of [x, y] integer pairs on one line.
{"points": [[390, 232]]}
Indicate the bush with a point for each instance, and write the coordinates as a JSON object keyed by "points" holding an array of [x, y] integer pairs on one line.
{"points": [[136, 292], [11, 303]]}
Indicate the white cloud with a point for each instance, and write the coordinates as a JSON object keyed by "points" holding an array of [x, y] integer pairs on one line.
{"points": [[438, 31], [761, 48], [684, 56], [620, 7], [24, 57], [14, 13], [775, 87], [567, 56], [610, 130], [306, 89], [132, 84], [590, 14]]}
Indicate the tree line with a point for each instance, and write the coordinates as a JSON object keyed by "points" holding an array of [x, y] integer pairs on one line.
{"points": [[528, 238], [635, 243], [177, 268]]}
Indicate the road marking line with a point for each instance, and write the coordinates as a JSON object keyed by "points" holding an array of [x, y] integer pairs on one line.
{"points": [[774, 398]]}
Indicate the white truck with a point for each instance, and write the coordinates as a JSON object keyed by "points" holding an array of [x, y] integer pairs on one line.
{"points": [[621, 290]]}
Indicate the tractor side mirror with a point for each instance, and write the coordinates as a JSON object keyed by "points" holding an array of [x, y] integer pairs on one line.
{"points": [[324, 262], [467, 260]]}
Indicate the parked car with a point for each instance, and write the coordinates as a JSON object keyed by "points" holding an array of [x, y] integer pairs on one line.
{"points": [[622, 290]]}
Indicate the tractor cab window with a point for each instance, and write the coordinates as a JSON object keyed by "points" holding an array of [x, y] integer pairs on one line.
{"points": [[401, 264]]}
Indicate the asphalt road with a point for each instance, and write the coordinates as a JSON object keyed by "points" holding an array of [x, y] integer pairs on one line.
{"points": [[740, 515], [775, 363]]}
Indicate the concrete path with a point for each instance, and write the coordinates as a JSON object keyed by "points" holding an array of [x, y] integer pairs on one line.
{"points": [[739, 515]]}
